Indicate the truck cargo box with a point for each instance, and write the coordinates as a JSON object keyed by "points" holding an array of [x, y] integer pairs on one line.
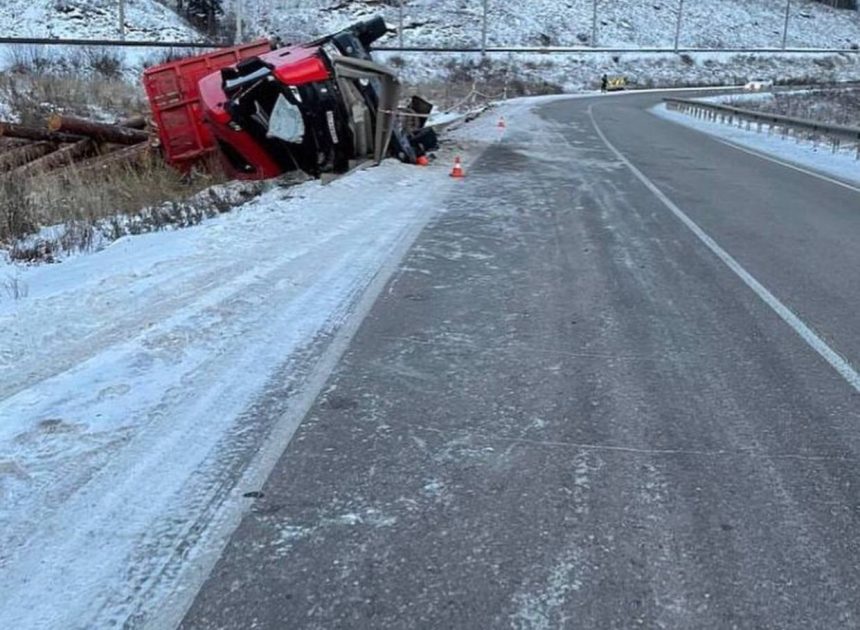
{"points": [[174, 97]]}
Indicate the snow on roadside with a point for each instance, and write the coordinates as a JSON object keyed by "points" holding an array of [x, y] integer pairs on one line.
{"points": [[841, 164], [137, 382]]}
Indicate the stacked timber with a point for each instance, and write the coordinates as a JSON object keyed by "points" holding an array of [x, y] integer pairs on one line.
{"points": [[67, 141]]}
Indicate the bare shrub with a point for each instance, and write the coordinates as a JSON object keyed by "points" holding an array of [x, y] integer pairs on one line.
{"points": [[29, 59], [15, 288], [166, 55], [17, 216], [76, 195], [103, 62], [96, 205], [32, 98]]}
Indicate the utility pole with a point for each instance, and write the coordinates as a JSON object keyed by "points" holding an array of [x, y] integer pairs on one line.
{"points": [[122, 19], [785, 28], [400, 23], [238, 39], [594, 26], [678, 25], [484, 32]]}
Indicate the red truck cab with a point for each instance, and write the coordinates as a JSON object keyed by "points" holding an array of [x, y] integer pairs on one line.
{"points": [[319, 107], [242, 154]]}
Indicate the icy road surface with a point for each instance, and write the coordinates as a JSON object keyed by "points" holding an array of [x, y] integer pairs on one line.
{"points": [[613, 385], [142, 388]]}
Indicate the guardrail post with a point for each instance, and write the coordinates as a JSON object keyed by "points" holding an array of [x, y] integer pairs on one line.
{"points": [[802, 130]]}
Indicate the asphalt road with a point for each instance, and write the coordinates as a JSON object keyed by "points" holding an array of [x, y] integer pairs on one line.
{"points": [[566, 410]]}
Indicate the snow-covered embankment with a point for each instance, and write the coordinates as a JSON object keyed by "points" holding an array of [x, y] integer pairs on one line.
{"points": [[146, 387]]}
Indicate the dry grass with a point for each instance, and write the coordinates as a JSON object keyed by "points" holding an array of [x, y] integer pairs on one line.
{"points": [[116, 200], [17, 216], [88, 196], [81, 198], [32, 98]]}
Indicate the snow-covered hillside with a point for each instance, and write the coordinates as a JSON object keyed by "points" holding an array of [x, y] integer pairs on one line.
{"points": [[145, 20], [92, 19], [621, 23]]}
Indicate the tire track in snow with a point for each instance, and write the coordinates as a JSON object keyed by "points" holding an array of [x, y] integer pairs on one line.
{"points": [[187, 386], [198, 283]]}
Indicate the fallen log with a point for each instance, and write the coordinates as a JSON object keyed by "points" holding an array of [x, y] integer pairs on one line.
{"points": [[61, 157], [12, 143], [134, 122], [100, 132], [14, 130], [21, 155]]}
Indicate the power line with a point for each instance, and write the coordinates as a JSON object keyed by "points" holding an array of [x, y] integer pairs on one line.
{"points": [[119, 43], [45, 41]]}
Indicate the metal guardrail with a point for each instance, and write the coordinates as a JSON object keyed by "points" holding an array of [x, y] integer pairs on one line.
{"points": [[816, 131]]}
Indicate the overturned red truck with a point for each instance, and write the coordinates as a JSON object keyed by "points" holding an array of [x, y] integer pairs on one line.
{"points": [[320, 107]]}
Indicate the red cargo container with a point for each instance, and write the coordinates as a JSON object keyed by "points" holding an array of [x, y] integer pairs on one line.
{"points": [[174, 96]]}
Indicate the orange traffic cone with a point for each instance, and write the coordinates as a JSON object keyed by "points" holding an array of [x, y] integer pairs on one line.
{"points": [[502, 123], [422, 160], [457, 171]]}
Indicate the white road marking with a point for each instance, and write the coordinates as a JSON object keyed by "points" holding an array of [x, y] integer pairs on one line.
{"points": [[762, 155], [794, 167], [837, 362]]}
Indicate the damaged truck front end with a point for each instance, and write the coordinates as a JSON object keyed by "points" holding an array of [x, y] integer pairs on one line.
{"points": [[322, 107]]}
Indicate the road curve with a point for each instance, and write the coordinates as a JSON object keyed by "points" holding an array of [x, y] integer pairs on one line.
{"points": [[568, 410]]}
